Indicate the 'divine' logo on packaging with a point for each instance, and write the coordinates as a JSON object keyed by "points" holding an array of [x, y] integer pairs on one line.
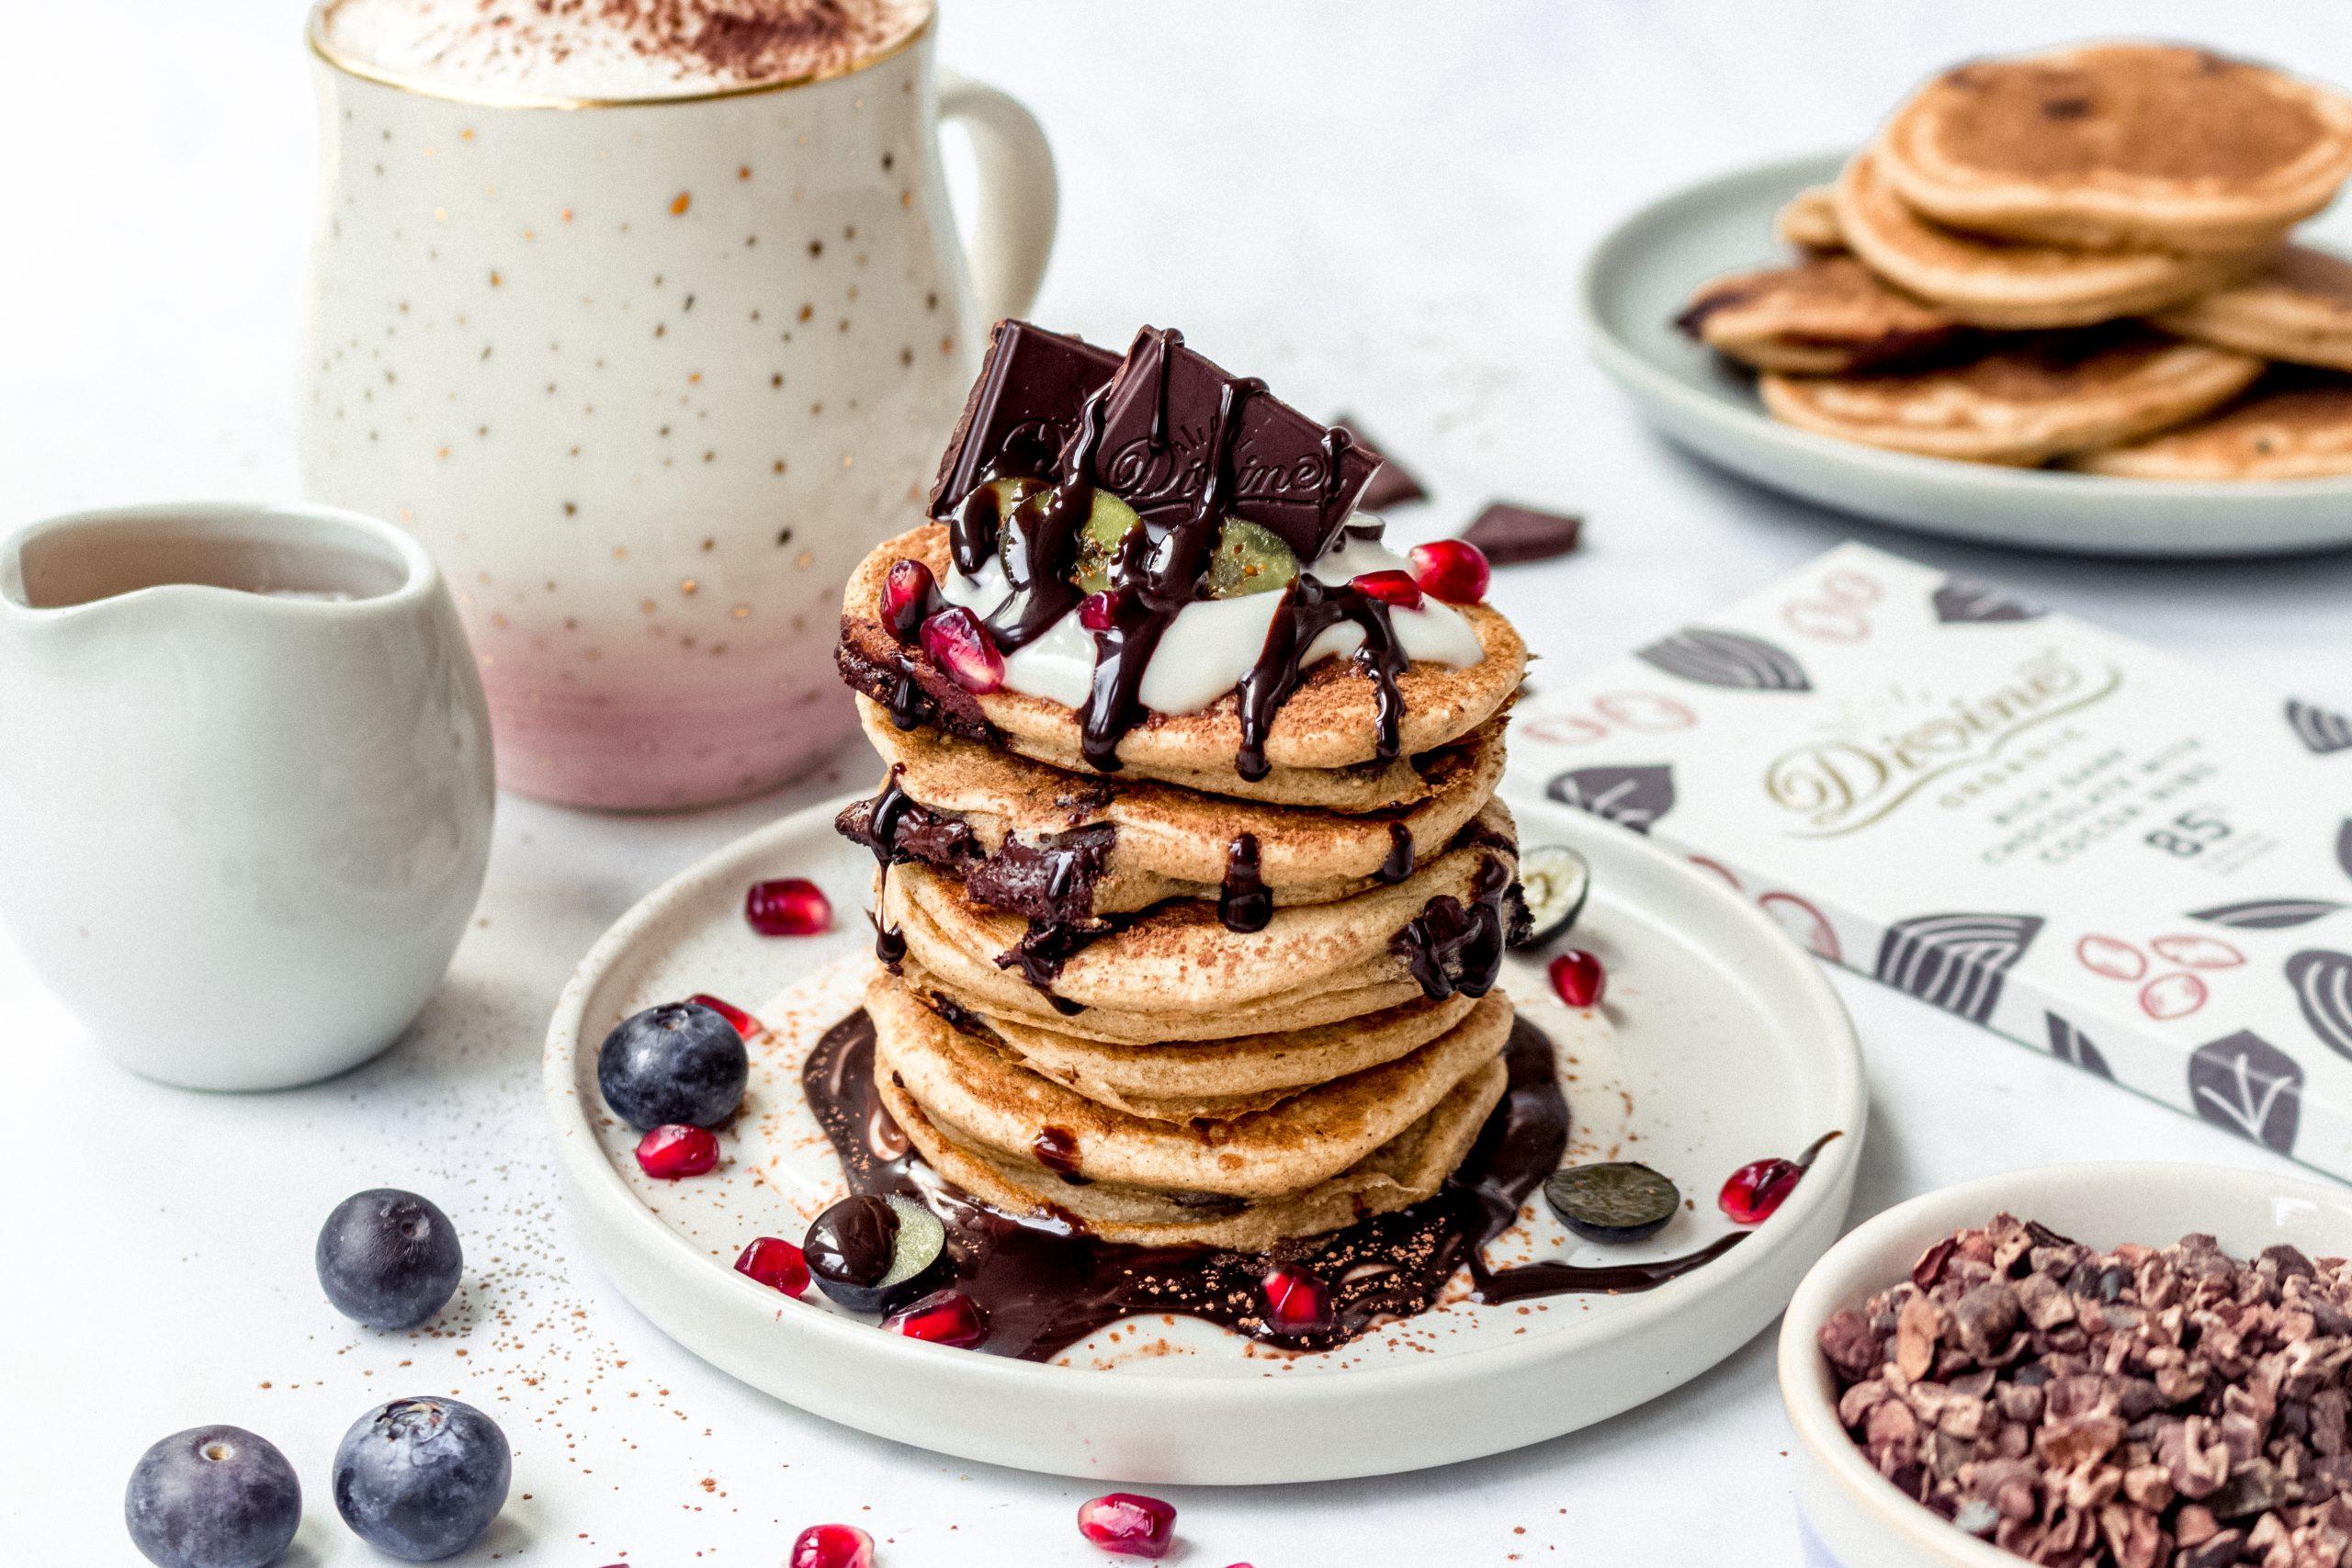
{"points": [[1845, 782]]}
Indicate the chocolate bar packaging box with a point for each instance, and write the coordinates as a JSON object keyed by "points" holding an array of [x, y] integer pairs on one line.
{"points": [[2136, 865]]}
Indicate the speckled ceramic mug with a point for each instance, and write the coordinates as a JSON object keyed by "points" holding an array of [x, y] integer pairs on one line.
{"points": [[648, 377]]}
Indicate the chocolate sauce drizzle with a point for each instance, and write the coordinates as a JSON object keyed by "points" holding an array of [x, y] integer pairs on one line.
{"points": [[1399, 863], [1045, 1285], [1451, 947], [1243, 902], [1158, 572]]}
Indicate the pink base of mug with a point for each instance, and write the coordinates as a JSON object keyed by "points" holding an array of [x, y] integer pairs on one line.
{"points": [[610, 755]]}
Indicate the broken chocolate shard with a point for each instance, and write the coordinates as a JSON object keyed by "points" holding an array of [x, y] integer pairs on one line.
{"points": [[1022, 410], [1512, 535], [1392, 484], [1162, 448]]}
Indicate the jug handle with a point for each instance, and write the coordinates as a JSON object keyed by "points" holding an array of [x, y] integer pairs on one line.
{"points": [[1013, 234]]}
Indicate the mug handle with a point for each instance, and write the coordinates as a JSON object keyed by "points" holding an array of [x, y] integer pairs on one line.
{"points": [[1020, 197]]}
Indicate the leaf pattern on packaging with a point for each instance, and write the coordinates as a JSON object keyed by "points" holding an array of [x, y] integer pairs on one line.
{"points": [[2266, 914], [1632, 798], [2071, 1044], [2321, 731], [2344, 847], [2322, 982], [1731, 659], [1965, 599], [2248, 1085], [1955, 962]]}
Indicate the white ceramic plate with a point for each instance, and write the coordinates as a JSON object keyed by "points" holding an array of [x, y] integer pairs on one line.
{"points": [[1856, 1518], [1634, 284], [1720, 1043]]}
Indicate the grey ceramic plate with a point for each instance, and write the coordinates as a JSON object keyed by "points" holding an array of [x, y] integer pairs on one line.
{"points": [[1635, 282]]}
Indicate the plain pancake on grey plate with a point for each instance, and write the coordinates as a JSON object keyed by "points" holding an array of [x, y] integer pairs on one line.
{"points": [[2030, 400], [2294, 424], [2298, 308], [2011, 284], [2109, 145], [1823, 314]]}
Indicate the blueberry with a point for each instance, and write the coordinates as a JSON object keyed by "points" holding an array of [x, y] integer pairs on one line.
{"points": [[213, 1497], [680, 1062], [422, 1478], [388, 1258], [872, 1253]]}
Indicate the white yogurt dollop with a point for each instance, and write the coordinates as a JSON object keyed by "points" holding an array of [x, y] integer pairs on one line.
{"points": [[1212, 643]]}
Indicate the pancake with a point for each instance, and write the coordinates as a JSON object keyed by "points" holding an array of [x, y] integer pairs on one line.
{"points": [[987, 1100], [1178, 959], [1823, 316], [1408, 1167], [1151, 841], [2025, 403], [2298, 309], [1179, 1081], [1329, 722], [1809, 220], [2011, 284], [2293, 426], [2119, 145]]}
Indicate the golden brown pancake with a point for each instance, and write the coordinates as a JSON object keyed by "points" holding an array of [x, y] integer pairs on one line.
{"points": [[971, 1089], [2011, 284], [1171, 842], [2298, 309], [2119, 145], [1329, 723], [1184, 1081], [1407, 1169], [1180, 961], [1823, 316], [2293, 426], [2040, 398], [1809, 220]]}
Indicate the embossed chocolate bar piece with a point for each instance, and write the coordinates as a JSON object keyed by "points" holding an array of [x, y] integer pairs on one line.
{"points": [[1161, 444], [1031, 385]]}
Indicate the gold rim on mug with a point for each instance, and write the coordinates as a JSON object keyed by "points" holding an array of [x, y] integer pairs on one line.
{"points": [[315, 33]]}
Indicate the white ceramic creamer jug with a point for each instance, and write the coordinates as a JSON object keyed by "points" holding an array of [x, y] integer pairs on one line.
{"points": [[245, 797]]}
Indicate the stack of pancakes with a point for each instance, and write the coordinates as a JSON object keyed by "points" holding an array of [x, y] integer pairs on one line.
{"points": [[2080, 258], [1168, 1004]]}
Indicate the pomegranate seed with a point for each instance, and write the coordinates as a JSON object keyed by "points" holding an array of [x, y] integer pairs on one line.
{"points": [[1756, 1189], [959, 644], [675, 1150], [943, 1317], [1293, 1299], [791, 905], [745, 1024], [1099, 611], [1452, 569], [1579, 978], [1127, 1523], [776, 1264], [1390, 588], [905, 597], [833, 1546]]}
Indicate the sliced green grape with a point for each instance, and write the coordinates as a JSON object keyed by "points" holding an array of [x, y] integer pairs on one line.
{"points": [[1250, 559], [1107, 526]]}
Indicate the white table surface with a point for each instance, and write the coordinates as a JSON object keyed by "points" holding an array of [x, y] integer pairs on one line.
{"points": [[1358, 201]]}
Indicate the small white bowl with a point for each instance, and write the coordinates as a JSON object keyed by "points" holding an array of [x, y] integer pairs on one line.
{"points": [[1855, 1517]]}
